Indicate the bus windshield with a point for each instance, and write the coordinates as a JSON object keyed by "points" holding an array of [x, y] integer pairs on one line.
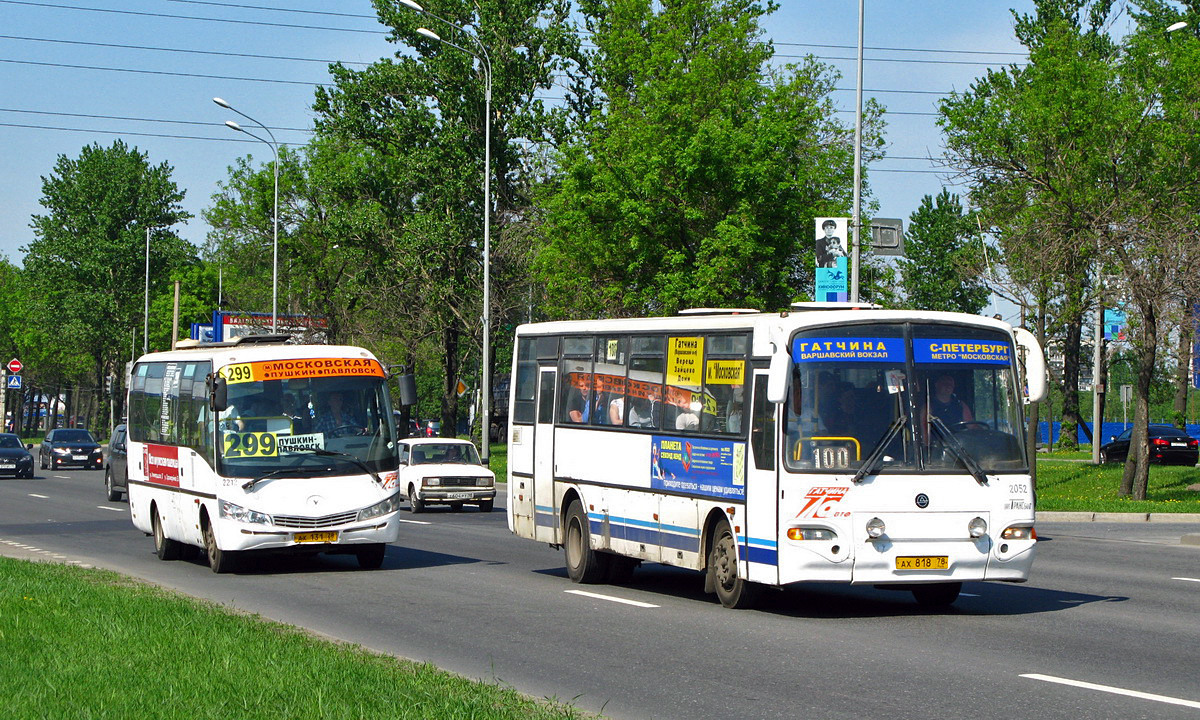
{"points": [[936, 397], [311, 426]]}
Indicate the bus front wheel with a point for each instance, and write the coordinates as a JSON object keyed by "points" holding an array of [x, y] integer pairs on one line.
{"points": [[732, 590], [584, 565], [221, 561]]}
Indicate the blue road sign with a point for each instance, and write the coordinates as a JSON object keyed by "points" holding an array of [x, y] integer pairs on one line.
{"points": [[14, 382]]}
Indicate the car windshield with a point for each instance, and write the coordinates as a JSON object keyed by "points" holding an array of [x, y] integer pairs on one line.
{"points": [[9, 442], [427, 453], [939, 397], [309, 426], [73, 436]]}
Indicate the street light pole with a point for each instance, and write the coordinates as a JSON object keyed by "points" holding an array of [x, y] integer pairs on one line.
{"points": [[274, 145], [146, 308], [486, 63], [857, 253]]}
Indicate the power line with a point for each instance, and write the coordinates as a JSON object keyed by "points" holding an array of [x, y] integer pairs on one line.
{"points": [[179, 50], [138, 119], [154, 72]]}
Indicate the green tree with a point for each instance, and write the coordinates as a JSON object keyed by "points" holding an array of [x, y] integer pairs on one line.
{"points": [[943, 256], [697, 171], [86, 264]]}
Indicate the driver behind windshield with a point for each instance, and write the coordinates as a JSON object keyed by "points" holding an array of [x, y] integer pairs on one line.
{"points": [[945, 405], [334, 414]]}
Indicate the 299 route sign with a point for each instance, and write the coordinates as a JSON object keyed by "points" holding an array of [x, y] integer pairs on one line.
{"points": [[14, 366]]}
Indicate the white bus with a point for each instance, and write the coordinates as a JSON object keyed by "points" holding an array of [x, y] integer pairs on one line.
{"points": [[258, 445], [829, 443]]}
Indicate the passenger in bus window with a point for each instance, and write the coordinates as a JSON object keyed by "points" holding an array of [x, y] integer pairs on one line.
{"points": [[578, 410], [616, 410], [291, 410], [336, 415], [687, 419], [641, 414], [733, 416]]}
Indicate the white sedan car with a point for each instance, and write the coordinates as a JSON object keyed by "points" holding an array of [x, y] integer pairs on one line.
{"points": [[444, 471]]}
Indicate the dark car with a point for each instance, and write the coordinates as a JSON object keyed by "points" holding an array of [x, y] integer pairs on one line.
{"points": [[1168, 445], [15, 458], [64, 447], [115, 470]]}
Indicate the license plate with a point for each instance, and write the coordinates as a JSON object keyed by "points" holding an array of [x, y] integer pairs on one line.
{"points": [[926, 562], [1178, 444], [459, 495], [79, 457], [7, 466], [316, 537]]}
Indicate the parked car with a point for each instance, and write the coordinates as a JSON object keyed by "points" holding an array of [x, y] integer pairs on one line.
{"points": [[444, 471], [70, 446], [433, 428], [1168, 445], [116, 474], [15, 458]]}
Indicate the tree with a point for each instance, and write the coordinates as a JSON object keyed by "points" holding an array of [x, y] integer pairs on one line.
{"points": [[86, 263], [943, 254], [697, 171]]}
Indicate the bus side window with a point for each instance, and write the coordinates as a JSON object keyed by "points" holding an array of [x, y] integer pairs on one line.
{"points": [[762, 426]]}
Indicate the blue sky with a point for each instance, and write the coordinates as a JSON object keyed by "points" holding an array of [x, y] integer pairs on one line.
{"points": [[76, 72]]}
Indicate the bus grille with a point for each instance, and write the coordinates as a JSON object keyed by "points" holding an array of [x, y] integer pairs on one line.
{"points": [[296, 521]]}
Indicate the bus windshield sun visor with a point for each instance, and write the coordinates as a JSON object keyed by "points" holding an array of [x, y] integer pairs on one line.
{"points": [[959, 451]]}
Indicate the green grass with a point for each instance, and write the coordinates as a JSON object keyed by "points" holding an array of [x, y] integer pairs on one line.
{"points": [[93, 644], [1064, 485]]}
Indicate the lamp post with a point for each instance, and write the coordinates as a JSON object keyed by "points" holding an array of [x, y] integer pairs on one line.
{"points": [[274, 145], [486, 63], [857, 222], [146, 307]]}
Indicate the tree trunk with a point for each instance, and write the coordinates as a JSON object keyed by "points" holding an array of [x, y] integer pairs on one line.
{"points": [[1183, 366], [1137, 468], [450, 390], [1069, 437]]}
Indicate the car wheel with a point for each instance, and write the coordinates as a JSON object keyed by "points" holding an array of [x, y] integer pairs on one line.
{"points": [[113, 493], [414, 503], [486, 505], [456, 507], [42, 460]]}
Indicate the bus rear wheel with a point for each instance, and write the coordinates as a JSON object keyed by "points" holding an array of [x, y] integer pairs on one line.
{"points": [[936, 594], [164, 547], [584, 565], [732, 590]]}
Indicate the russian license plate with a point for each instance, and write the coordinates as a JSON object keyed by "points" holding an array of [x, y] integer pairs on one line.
{"points": [[1179, 444], [925, 562], [459, 495], [79, 457], [7, 466], [316, 537]]}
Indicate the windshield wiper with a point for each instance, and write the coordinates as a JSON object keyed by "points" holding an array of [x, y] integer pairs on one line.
{"points": [[333, 453], [279, 472], [876, 455], [959, 451]]}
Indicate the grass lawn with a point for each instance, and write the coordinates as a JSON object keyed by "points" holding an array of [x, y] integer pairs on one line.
{"points": [[1065, 484], [94, 644]]}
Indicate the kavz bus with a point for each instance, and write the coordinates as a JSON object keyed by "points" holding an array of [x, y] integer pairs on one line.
{"points": [[254, 445], [830, 442]]}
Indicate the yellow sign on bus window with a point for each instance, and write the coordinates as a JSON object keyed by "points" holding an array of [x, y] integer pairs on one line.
{"points": [[684, 358], [725, 372], [250, 444], [301, 369]]}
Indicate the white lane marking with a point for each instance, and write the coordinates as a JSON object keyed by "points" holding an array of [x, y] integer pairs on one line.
{"points": [[44, 497], [106, 507], [1188, 579], [63, 477], [968, 595], [413, 522], [1114, 690], [610, 598]]}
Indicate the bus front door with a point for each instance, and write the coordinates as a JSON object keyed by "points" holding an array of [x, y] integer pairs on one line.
{"points": [[545, 516]]}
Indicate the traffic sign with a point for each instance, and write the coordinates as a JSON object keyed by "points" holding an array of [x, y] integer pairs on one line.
{"points": [[13, 382], [14, 366]]}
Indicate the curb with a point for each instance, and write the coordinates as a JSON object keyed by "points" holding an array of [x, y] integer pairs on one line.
{"points": [[1121, 518]]}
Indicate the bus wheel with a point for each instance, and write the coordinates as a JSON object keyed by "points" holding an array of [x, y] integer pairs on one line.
{"points": [[221, 561], [937, 594], [370, 557], [164, 547], [733, 591], [584, 564]]}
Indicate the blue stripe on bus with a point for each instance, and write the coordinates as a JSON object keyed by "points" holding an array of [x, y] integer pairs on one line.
{"points": [[762, 555]]}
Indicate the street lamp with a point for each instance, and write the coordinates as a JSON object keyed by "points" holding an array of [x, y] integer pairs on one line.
{"points": [[274, 145], [486, 63]]}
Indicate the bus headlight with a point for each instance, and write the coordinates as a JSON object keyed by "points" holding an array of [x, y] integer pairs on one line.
{"points": [[391, 505], [802, 533], [236, 512], [875, 528], [1019, 532], [977, 528]]}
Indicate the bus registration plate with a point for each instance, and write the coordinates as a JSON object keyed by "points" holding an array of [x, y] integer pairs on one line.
{"points": [[316, 537], [927, 562]]}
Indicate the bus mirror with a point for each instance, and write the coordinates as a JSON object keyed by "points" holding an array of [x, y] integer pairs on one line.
{"points": [[1035, 365], [777, 377], [408, 389], [219, 397]]}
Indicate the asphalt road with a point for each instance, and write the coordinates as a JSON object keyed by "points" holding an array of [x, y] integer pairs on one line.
{"points": [[1107, 627]]}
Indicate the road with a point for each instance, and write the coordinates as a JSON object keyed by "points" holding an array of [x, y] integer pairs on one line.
{"points": [[1106, 628]]}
